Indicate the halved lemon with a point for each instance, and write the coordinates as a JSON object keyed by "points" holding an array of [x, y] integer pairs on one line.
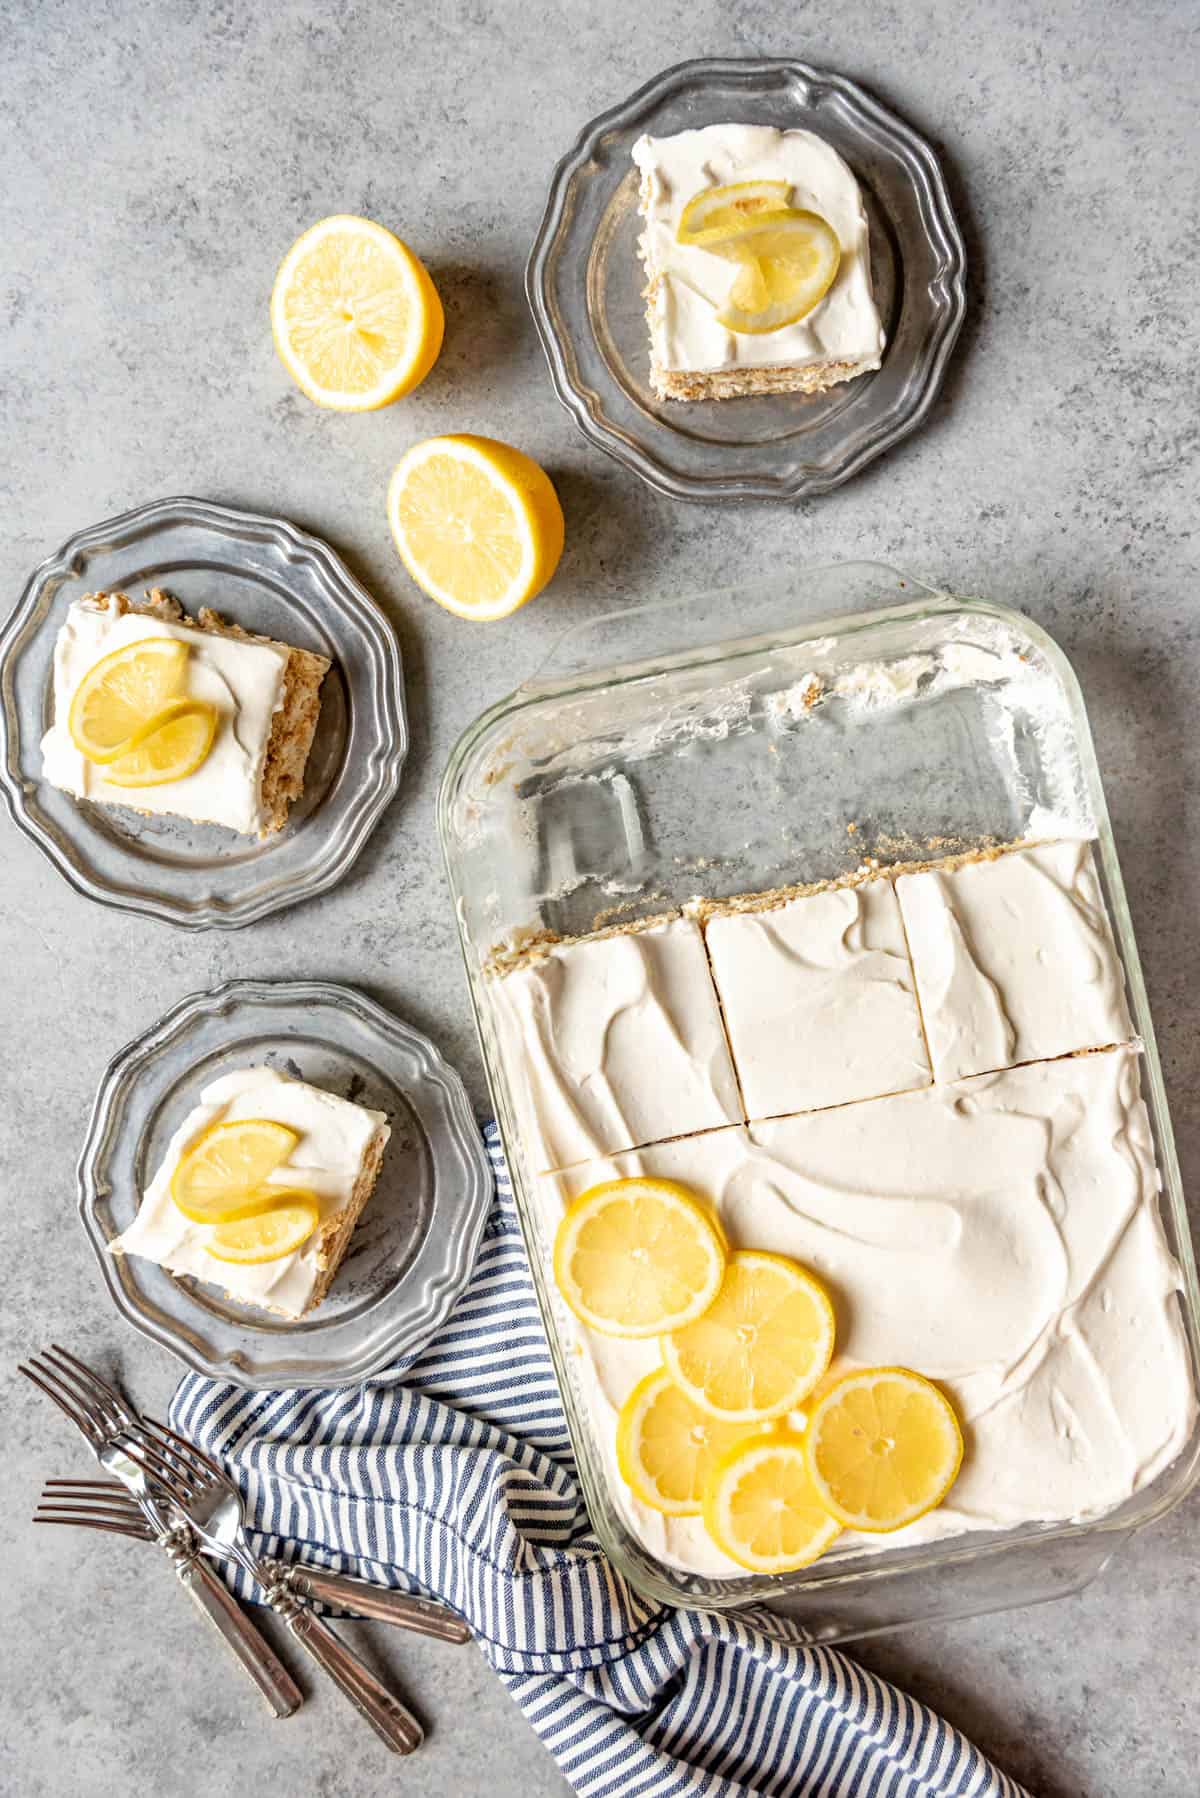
{"points": [[119, 698], [883, 1447], [717, 214], [356, 319], [789, 264], [637, 1257], [268, 1235], [761, 1346], [667, 1449], [761, 1508], [174, 745], [477, 524], [218, 1179]]}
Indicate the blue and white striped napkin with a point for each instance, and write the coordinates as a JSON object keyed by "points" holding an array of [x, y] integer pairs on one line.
{"points": [[460, 1483]]}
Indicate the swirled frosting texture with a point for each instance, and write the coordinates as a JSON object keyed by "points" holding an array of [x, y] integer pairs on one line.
{"points": [[1001, 1235], [614, 1042], [1015, 959]]}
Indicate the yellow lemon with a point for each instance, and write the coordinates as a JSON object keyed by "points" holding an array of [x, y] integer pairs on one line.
{"points": [[174, 745], [120, 697], [356, 319], [218, 1179], [268, 1235], [667, 1449], [883, 1447], [717, 214], [789, 262], [761, 1346], [761, 1508], [477, 524], [637, 1257]]}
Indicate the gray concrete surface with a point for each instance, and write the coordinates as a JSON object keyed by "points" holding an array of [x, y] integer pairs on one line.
{"points": [[157, 160]]}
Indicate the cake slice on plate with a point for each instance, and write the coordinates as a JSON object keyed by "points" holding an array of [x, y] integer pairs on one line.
{"points": [[194, 718], [260, 1190], [758, 264]]}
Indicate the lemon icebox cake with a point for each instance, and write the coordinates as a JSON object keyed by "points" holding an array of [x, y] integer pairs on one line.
{"points": [[260, 1190], [194, 718], [935, 1120], [758, 266]]}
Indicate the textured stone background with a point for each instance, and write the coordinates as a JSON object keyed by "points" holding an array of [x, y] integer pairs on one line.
{"points": [[157, 160]]}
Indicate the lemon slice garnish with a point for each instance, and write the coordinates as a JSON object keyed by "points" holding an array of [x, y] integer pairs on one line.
{"points": [[121, 696], [356, 319], [637, 1257], [667, 1450], [218, 1179], [173, 746], [477, 524], [761, 1508], [717, 214], [883, 1447], [761, 1346], [788, 266], [268, 1235]]}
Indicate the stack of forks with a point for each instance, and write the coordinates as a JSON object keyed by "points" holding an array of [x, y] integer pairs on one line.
{"points": [[162, 1489]]}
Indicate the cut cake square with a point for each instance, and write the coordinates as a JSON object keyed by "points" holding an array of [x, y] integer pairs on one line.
{"points": [[818, 1000]]}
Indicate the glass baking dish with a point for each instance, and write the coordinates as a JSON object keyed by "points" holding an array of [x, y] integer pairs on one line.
{"points": [[599, 796]]}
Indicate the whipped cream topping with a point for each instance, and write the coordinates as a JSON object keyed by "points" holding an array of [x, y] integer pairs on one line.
{"points": [[1001, 1236], [335, 1135], [614, 1042], [1015, 959], [818, 1000], [688, 286], [244, 681]]}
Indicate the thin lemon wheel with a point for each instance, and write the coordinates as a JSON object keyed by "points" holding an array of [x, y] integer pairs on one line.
{"points": [[356, 318], [226, 1165], [761, 1346], [477, 524], [883, 1447], [762, 1509], [121, 696], [268, 1235], [174, 746], [637, 1257], [667, 1450], [717, 214], [789, 263]]}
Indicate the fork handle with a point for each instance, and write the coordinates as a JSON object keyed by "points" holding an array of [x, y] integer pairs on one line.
{"points": [[423, 1615], [390, 1720], [213, 1599]]}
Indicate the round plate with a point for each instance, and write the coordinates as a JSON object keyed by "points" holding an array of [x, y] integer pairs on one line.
{"points": [[413, 1250], [274, 580], [584, 281]]}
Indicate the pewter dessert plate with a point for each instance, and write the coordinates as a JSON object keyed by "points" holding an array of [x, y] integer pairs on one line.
{"points": [[274, 580], [413, 1249], [584, 282]]}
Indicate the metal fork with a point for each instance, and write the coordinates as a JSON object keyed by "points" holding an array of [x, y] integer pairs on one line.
{"points": [[64, 1380], [202, 1492], [84, 1501], [127, 1450]]}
